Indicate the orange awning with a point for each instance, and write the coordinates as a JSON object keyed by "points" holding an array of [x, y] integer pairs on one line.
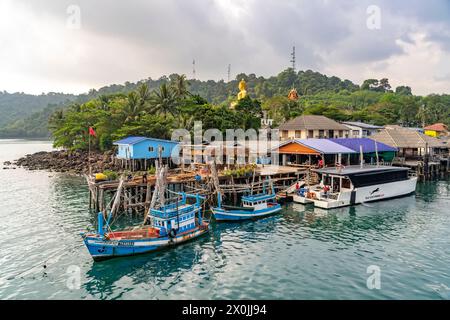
{"points": [[296, 148]]}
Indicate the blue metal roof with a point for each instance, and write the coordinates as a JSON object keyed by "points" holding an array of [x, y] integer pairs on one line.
{"points": [[133, 140], [367, 144], [324, 146]]}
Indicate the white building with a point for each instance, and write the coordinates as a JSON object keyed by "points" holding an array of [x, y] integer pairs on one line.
{"points": [[360, 129]]}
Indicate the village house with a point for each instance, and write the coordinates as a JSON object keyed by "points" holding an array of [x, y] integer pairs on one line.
{"points": [[139, 153], [437, 130], [312, 126], [411, 144], [360, 129]]}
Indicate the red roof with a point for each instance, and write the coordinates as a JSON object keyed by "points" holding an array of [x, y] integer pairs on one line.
{"points": [[437, 127]]}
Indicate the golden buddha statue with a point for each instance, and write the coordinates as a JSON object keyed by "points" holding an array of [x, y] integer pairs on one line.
{"points": [[293, 95], [242, 89]]}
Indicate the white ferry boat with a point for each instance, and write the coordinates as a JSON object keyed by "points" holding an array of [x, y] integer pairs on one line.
{"points": [[351, 185]]}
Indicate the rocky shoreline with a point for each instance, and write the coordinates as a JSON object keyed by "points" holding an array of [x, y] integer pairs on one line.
{"points": [[68, 161]]}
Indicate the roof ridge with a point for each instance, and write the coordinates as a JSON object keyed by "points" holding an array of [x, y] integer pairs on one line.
{"points": [[390, 137]]}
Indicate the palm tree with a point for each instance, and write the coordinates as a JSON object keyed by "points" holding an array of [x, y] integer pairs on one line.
{"points": [[104, 100], [144, 94], [133, 107], [180, 85], [164, 101]]}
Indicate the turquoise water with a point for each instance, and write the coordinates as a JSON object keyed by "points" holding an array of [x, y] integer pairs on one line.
{"points": [[302, 253]]}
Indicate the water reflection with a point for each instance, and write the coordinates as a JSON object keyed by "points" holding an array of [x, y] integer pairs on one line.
{"points": [[159, 270]]}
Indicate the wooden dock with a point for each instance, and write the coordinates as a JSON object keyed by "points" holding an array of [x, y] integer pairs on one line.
{"points": [[136, 193], [426, 168]]}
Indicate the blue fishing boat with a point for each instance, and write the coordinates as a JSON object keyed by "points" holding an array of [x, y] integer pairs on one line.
{"points": [[253, 206], [165, 226]]}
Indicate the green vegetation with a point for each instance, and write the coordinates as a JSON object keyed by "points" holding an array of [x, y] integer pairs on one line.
{"points": [[143, 112], [156, 107]]}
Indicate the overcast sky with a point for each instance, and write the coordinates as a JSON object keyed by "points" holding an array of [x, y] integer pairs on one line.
{"points": [[45, 47]]}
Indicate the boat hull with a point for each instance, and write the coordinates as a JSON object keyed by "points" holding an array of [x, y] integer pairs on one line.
{"points": [[373, 193], [103, 249], [303, 200], [236, 215]]}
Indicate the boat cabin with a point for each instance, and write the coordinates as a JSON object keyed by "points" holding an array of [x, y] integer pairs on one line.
{"points": [[180, 216]]}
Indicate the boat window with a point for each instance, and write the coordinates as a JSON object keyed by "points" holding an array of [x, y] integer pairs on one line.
{"points": [[377, 177], [346, 183]]}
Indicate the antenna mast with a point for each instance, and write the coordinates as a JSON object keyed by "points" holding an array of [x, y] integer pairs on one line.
{"points": [[229, 72], [293, 58], [193, 69]]}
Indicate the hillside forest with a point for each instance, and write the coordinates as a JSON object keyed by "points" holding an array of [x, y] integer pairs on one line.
{"points": [[156, 107]]}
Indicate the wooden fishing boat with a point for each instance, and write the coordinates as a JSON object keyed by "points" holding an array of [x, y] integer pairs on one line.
{"points": [[253, 206], [167, 226]]}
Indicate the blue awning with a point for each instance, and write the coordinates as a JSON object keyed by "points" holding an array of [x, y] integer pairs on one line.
{"points": [[368, 145], [324, 146]]}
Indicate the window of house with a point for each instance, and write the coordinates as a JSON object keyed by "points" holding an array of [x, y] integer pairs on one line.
{"points": [[298, 133], [321, 133], [151, 149], [310, 133]]}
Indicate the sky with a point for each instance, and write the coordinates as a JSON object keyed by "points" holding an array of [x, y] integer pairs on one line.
{"points": [[72, 46]]}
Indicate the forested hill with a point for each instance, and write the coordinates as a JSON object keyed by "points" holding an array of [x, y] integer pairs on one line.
{"points": [[25, 115], [14, 106], [374, 101]]}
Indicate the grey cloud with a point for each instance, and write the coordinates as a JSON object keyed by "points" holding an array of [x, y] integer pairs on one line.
{"points": [[169, 34]]}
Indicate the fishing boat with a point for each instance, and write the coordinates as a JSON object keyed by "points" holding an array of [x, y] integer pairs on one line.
{"points": [[253, 206], [344, 186], [165, 226]]}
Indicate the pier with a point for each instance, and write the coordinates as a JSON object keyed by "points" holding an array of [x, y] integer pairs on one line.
{"points": [[136, 193]]}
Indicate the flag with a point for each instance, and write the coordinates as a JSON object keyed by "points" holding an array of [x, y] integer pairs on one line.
{"points": [[92, 132]]}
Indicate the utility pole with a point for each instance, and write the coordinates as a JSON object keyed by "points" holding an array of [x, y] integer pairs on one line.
{"points": [[229, 72], [293, 58], [193, 69]]}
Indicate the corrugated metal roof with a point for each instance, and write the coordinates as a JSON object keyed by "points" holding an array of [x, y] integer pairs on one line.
{"points": [[312, 122], [367, 144], [324, 146], [133, 140], [361, 125]]}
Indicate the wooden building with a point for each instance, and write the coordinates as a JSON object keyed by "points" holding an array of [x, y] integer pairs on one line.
{"points": [[437, 130], [411, 144], [312, 127], [139, 153]]}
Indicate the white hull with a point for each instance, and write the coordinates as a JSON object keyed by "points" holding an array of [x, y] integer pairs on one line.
{"points": [[302, 200], [368, 194]]}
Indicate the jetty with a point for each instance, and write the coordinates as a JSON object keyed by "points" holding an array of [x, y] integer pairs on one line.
{"points": [[136, 190]]}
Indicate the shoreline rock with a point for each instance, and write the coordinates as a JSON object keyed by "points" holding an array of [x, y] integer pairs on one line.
{"points": [[69, 161]]}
